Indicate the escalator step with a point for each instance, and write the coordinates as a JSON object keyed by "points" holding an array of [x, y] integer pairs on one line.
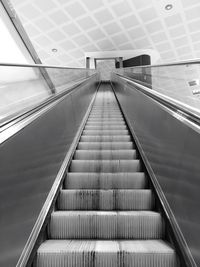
{"points": [[108, 138], [105, 132], [106, 199], [106, 127], [105, 121], [105, 154], [106, 253], [97, 123], [105, 145], [105, 166], [106, 114], [105, 107], [106, 117], [136, 180], [106, 225], [117, 115], [105, 111]]}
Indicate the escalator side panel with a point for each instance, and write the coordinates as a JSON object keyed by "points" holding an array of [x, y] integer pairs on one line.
{"points": [[173, 150], [29, 163]]}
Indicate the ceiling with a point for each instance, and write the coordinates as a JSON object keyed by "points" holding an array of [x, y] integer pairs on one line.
{"points": [[74, 27]]}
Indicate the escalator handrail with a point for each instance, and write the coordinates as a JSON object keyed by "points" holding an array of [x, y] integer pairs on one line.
{"points": [[38, 109], [4, 64], [179, 108], [175, 63]]}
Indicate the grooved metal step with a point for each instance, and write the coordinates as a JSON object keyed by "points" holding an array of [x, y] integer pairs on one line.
{"points": [[105, 166], [120, 199], [106, 225], [106, 127], [106, 253], [105, 154], [105, 132], [106, 117], [117, 115], [104, 111], [107, 114], [105, 120], [136, 180], [106, 138], [105, 145], [100, 123], [105, 108]]}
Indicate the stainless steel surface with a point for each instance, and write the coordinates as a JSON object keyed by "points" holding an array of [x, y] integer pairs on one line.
{"points": [[173, 151], [29, 163], [90, 227], [48, 205]]}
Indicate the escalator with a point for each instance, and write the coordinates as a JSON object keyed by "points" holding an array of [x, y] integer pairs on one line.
{"points": [[106, 213]]}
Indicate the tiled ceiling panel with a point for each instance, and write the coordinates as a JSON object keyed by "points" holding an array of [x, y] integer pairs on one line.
{"points": [[74, 27]]}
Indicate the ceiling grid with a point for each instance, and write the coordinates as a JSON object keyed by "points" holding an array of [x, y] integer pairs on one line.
{"points": [[183, 15], [106, 35], [74, 27], [140, 34], [127, 44]]}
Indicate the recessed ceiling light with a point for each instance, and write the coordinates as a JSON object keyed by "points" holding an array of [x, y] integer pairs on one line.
{"points": [[168, 6], [54, 50]]}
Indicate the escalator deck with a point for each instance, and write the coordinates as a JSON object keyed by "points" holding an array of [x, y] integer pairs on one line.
{"points": [[106, 214]]}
